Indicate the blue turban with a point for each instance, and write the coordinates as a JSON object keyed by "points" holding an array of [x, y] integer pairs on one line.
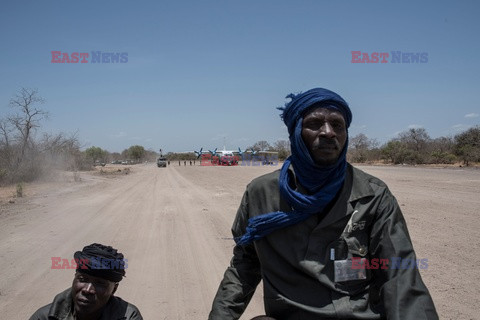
{"points": [[321, 182]]}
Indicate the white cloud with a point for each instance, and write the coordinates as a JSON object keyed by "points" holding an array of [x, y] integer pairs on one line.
{"points": [[472, 115]]}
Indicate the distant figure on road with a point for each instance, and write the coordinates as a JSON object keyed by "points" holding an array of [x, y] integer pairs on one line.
{"points": [[185, 163], [99, 270], [190, 162], [179, 163], [328, 240]]}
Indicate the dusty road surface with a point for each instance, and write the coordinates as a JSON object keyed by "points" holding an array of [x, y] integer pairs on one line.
{"points": [[173, 225]]}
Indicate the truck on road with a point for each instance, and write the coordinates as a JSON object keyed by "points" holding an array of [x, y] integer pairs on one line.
{"points": [[162, 162]]}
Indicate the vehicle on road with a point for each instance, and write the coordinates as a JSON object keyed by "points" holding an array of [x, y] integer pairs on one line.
{"points": [[162, 162]]}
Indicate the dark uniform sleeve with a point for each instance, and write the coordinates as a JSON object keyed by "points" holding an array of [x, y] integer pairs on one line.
{"points": [[41, 314], [401, 289], [241, 277], [133, 313]]}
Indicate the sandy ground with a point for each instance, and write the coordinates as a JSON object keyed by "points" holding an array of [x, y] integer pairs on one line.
{"points": [[173, 225]]}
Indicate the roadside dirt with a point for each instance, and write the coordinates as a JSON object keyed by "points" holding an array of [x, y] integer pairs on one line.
{"points": [[173, 225]]}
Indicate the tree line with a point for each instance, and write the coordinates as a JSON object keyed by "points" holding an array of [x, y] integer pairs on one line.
{"points": [[134, 154], [415, 146]]}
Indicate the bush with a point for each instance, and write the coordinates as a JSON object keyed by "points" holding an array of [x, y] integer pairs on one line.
{"points": [[395, 152], [442, 157], [3, 174], [467, 145], [19, 190]]}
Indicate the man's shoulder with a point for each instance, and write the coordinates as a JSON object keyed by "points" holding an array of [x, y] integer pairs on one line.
{"points": [[42, 313], [117, 308], [366, 180], [266, 180], [122, 309], [55, 310]]}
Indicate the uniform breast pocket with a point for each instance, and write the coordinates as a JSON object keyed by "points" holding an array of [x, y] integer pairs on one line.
{"points": [[350, 272], [357, 245]]}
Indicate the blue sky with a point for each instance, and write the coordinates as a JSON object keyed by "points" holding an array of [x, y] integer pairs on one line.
{"points": [[203, 72]]}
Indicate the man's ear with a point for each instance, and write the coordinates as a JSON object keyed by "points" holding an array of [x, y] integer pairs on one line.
{"points": [[115, 288]]}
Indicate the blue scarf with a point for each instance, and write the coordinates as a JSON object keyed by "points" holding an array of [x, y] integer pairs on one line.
{"points": [[321, 182]]}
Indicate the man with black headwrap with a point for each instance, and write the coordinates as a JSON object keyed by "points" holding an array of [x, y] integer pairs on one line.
{"points": [[99, 270], [307, 230]]}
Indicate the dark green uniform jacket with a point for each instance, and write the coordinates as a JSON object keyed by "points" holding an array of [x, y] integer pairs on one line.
{"points": [[62, 307], [297, 263]]}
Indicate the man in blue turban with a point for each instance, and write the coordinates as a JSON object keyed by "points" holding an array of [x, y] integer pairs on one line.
{"points": [[328, 240]]}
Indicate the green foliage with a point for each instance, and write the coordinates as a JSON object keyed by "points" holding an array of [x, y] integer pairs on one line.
{"points": [[283, 154], [136, 152], [172, 156], [283, 149], [415, 146], [3, 174], [467, 145], [395, 152], [415, 139], [357, 156], [442, 157], [19, 190], [96, 154]]}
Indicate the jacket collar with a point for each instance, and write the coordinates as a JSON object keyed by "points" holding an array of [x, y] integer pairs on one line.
{"points": [[360, 184], [62, 306]]}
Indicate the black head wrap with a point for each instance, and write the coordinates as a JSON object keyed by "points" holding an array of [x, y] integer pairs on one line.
{"points": [[101, 261]]}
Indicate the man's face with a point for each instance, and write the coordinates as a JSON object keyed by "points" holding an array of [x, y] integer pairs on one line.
{"points": [[324, 133], [90, 294]]}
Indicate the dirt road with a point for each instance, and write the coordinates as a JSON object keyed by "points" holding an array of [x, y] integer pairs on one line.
{"points": [[173, 225]]}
